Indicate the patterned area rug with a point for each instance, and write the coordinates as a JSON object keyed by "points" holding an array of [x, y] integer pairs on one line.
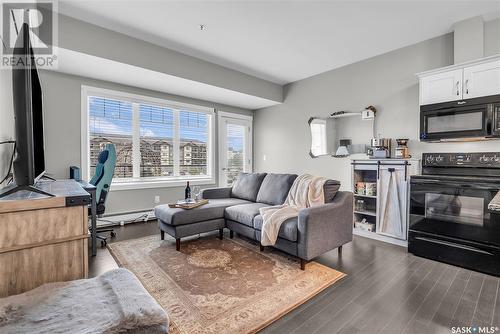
{"points": [[221, 286]]}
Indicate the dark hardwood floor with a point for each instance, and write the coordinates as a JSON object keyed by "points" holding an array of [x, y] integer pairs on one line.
{"points": [[386, 290]]}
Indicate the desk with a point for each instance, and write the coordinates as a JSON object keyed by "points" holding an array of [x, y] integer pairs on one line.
{"points": [[43, 239], [91, 189]]}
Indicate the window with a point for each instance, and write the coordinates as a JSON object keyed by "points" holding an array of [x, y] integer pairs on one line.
{"points": [[110, 121], [193, 142], [156, 138], [156, 141]]}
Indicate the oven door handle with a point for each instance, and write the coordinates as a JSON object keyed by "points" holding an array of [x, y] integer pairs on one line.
{"points": [[449, 184], [452, 244]]}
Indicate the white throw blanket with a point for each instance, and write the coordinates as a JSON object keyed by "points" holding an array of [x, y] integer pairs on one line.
{"points": [[115, 302], [306, 191]]}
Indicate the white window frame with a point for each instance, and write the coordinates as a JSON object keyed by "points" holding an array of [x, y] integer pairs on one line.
{"points": [[150, 182]]}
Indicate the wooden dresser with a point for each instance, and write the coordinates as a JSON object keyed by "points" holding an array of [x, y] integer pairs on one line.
{"points": [[43, 239]]}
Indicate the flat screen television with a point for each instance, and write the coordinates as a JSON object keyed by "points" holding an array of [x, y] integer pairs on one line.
{"points": [[29, 161]]}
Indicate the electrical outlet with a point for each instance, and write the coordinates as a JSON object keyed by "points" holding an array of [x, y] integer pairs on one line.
{"points": [[157, 199]]}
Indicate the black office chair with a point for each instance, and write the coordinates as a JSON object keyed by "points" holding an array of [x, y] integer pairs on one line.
{"points": [[104, 171]]}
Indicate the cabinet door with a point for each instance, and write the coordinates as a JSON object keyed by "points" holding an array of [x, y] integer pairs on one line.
{"points": [[392, 202], [482, 80], [441, 87]]}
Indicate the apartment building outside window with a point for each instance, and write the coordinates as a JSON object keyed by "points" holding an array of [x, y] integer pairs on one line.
{"points": [[156, 141]]}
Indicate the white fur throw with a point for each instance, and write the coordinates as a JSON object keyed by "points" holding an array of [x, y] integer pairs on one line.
{"points": [[306, 191], [114, 302]]}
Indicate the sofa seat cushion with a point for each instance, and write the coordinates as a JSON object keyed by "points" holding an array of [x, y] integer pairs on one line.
{"points": [[244, 213], [275, 187], [288, 229], [213, 210], [247, 186]]}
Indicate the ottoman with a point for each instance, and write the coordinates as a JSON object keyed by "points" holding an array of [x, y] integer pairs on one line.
{"points": [[180, 223]]}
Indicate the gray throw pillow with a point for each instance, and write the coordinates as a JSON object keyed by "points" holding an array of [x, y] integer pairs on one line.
{"points": [[275, 188], [247, 186], [330, 189]]}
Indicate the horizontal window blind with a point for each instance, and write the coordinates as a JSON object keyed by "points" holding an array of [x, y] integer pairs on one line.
{"points": [[193, 132], [152, 140], [156, 141], [110, 121]]}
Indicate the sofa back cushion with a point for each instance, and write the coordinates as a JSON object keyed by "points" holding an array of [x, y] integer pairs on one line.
{"points": [[247, 186], [275, 188], [330, 189]]}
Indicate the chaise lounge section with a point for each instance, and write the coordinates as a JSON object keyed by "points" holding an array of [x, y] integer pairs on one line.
{"points": [[315, 231]]}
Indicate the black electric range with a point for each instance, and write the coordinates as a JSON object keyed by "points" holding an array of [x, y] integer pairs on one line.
{"points": [[449, 216]]}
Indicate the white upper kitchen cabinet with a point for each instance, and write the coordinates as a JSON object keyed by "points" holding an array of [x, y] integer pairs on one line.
{"points": [[441, 87], [481, 80], [463, 81]]}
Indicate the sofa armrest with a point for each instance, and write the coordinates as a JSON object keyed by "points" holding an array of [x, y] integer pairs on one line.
{"points": [[325, 227], [213, 193]]}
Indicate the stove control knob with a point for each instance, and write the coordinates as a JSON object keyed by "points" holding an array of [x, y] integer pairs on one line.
{"points": [[484, 159], [429, 159], [495, 158], [439, 159]]}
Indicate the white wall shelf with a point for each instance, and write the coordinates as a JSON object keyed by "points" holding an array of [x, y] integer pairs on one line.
{"points": [[367, 213], [366, 196]]}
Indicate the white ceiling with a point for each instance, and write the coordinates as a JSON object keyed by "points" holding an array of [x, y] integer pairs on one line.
{"points": [[280, 41]]}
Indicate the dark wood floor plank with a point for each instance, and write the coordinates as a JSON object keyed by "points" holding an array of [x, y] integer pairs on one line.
{"points": [[343, 313], [349, 263], [496, 312], [342, 291], [431, 303], [483, 314], [441, 321], [398, 322], [322, 314], [384, 308], [386, 290], [377, 311], [338, 301], [467, 305]]}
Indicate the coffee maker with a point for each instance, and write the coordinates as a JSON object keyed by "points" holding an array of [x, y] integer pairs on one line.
{"points": [[381, 148], [402, 151]]}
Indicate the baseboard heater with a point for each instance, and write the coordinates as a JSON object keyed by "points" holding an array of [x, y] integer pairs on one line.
{"points": [[126, 218]]}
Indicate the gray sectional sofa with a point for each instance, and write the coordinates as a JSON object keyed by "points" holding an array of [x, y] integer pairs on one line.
{"points": [[315, 231]]}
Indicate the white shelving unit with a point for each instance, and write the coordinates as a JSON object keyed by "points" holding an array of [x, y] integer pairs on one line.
{"points": [[368, 170]]}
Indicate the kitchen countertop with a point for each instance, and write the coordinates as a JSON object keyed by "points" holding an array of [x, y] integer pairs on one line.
{"points": [[360, 156], [495, 203], [384, 159]]}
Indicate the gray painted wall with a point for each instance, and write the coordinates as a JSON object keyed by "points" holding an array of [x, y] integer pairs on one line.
{"points": [[387, 81], [62, 103], [492, 37], [469, 40]]}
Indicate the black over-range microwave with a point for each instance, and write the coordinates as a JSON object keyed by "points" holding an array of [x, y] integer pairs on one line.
{"points": [[471, 119]]}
